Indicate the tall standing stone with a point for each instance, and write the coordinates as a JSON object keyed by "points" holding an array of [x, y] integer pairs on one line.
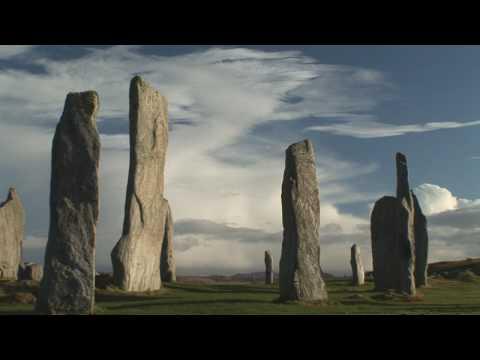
{"points": [[358, 272], [300, 274], [421, 245], [268, 268], [136, 257], [68, 284], [407, 229], [167, 262], [12, 223]]}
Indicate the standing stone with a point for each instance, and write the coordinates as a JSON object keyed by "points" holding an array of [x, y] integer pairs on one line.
{"points": [[30, 271], [358, 273], [421, 245], [12, 222], [136, 256], [268, 268], [384, 228], [407, 229], [167, 262], [300, 274], [68, 285]]}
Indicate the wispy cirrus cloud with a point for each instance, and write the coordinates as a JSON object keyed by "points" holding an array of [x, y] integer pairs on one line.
{"points": [[369, 129]]}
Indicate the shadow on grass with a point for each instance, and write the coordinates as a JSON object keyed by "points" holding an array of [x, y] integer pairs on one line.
{"points": [[199, 302], [237, 289]]}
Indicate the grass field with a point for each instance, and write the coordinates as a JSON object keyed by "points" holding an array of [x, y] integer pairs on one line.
{"points": [[442, 297]]}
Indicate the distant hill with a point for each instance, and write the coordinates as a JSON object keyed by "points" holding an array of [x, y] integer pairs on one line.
{"points": [[448, 267], [240, 277]]}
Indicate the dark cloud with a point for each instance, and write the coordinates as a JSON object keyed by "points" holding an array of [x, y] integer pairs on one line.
{"points": [[223, 231], [460, 218]]}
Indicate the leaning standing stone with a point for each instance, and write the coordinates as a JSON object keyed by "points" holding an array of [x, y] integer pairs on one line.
{"points": [[136, 256], [268, 268], [358, 273], [300, 274], [12, 222], [167, 262], [68, 285]]}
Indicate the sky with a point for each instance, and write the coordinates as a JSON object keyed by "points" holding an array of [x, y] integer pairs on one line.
{"points": [[233, 111]]}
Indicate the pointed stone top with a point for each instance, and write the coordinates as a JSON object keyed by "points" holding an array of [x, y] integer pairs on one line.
{"points": [[305, 145], [12, 194], [403, 189]]}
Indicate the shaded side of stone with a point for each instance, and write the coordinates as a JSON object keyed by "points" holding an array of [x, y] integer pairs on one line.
{"points": [[384, 228], [167, 263], [268, 268], [407, 228], [12, 224], [68, 285], [300, 274], [421, 245], [30, 271]]}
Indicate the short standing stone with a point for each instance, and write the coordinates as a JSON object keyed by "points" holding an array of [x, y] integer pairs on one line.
{"points": [[30, 271], [300, 274], [136, 256], [167, 262], [421, 245], [12, 222], [358, 272], [268, 268], [68, 285]]}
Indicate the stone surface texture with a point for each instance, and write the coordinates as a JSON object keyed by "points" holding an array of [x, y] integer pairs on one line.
{"points": [[167, 262], [68, 284], [12, 223], [300, 276], [136, 256]]}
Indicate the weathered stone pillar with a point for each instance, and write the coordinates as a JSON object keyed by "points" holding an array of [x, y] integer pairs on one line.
{"points": [[268, 268], [407, 229], [421, 245], [136, 256], [167, 263], [68, 285], [358, 272], [12, 223], [300, 274]]}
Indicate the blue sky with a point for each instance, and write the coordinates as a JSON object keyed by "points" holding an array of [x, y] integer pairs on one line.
{"points": [[233, 111]]}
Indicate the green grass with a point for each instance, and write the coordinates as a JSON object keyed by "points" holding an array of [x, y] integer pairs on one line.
{"points": [[442, 297]]}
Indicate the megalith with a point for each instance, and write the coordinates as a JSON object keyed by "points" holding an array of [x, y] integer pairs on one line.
{"points": [[68, 284], [300, 274], [358, 272], [167, 262], [137, 255], [12, 223], [421, 245], [407, 228], [268, 268], [30, 271]]}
